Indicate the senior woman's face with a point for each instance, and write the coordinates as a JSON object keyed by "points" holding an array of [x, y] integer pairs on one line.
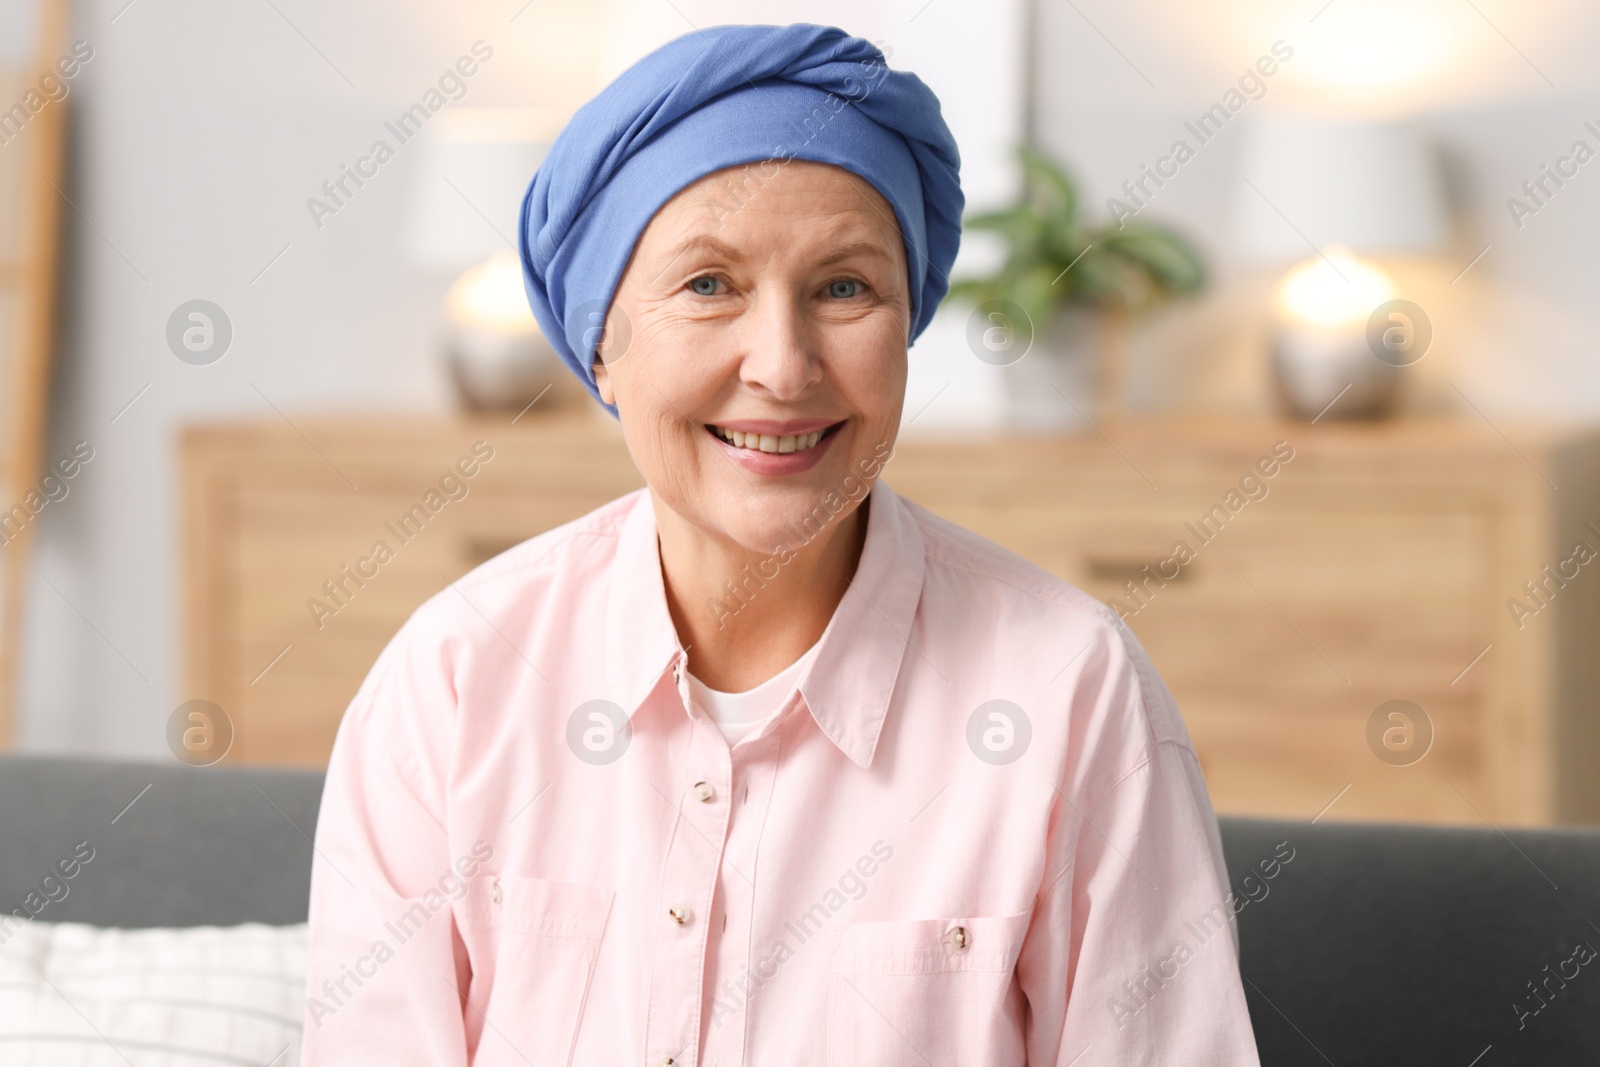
{"points": [[756, 347]]}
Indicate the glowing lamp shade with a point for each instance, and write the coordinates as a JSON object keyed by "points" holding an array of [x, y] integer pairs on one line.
{"points": [[1307, 183], [472, 166]]}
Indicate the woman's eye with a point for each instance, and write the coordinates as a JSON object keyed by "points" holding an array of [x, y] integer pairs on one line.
{"points": [[705, 285], [844, 288]]}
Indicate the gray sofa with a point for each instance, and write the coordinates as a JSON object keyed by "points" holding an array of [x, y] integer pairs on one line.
{"points": [[1368, 945]]}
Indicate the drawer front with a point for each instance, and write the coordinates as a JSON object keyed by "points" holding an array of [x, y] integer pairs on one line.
{"points": [[290, 547], [1282, 629]]}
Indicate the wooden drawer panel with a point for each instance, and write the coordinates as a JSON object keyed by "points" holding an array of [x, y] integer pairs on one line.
{"points": [[1293, 766], [1301, 603], [1285, 632], [1391, 601], [291, 542]]}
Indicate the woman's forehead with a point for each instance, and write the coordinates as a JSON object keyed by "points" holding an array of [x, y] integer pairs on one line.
{"points": [[798, 197]]}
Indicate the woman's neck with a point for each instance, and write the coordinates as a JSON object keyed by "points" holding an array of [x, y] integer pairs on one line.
{"points": [[740, 634]]}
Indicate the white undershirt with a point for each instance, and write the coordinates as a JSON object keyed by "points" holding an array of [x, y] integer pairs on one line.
{"points": [[737, 714]]}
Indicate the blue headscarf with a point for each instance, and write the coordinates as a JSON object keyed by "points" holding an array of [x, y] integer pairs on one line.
{"points": [[722, 97]]}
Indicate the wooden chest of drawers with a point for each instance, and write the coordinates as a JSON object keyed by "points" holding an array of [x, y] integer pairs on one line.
{"points": [[1323, 572]]}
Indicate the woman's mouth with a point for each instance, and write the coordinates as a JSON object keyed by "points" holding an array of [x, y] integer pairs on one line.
{"points": [[776, 455], [773, 444]]}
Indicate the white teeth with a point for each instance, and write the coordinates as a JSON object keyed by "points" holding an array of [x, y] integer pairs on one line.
{"points": [[767, 442]]}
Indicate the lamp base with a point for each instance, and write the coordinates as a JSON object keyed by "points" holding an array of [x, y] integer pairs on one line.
{"points": [[496, 371], [1332, 375]]}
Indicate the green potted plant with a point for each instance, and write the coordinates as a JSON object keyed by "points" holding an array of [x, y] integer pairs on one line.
{"points": [[1058, 265]]}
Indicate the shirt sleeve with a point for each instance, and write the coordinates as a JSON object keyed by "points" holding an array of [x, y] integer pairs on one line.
{"points": [[1132, 953], [388, 972]]}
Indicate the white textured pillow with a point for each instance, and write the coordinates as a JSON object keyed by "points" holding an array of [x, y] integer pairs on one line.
{"points": [[86, 996]]}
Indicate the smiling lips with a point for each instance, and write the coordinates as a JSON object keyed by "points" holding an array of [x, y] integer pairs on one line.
{"points": [[776, 448], [767, 442]]}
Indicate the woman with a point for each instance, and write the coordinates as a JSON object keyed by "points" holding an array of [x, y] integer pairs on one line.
{"points": [[762, 764]]}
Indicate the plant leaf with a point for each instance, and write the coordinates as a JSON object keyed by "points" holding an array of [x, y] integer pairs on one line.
{"points": [[1053, 260], [1171, 264], [1060, 193]]}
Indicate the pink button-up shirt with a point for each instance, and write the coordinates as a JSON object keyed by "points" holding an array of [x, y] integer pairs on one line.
{"points": [[976, 835]]}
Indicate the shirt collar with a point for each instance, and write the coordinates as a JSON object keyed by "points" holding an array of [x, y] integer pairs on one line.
{"points": [[852, 676], [640, 640]]}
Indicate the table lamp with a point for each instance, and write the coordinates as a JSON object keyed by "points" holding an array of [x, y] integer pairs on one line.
{"points": [[1323, 194], [473, 166]]}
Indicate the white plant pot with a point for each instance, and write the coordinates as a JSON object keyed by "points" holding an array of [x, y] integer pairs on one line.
{"points": [[1051, 389]]}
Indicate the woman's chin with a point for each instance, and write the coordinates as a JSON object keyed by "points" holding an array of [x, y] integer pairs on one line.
{"points": [[783, 528]]}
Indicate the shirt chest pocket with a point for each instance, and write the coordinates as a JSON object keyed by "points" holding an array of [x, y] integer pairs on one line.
{"points": [[927, 991], [546, 938]]}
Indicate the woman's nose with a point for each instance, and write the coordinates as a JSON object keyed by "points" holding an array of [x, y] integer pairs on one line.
{"points": [[780, 350]]}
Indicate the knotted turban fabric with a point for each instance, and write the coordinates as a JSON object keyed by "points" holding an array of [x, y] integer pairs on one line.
{"points": [[723, 97]]}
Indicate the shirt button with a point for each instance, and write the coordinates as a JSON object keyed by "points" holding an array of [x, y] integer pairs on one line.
{"points": [[494, 891], [705, 792], [677, 671], [680, 914], [957, 936]]}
